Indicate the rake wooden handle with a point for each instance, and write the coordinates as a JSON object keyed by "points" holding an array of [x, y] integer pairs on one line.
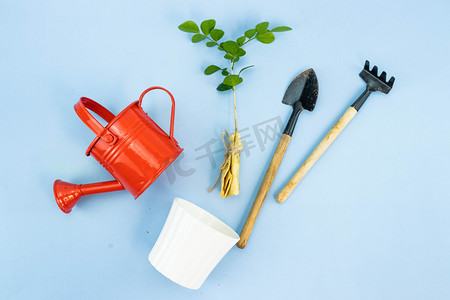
{"points": [[264, 189], [316, 154]]}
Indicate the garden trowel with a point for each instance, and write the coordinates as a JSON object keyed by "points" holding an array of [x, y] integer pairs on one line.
{"points": [[301, 94]]}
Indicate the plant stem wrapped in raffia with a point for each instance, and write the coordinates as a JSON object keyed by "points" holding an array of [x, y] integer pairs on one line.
{"points": [[229, 170]]}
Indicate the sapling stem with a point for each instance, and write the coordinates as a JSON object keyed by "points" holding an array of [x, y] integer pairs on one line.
{"points": [[249, 40], [234, 99]]}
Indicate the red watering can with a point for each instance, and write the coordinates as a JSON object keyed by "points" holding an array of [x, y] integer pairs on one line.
{"points": [[132, 147]]}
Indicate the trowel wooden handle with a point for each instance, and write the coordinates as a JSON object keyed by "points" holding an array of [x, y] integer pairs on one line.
{"points": [[316, 154], [264, 189]]}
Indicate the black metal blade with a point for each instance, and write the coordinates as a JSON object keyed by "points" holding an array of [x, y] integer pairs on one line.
{"points": [[375, 82]]}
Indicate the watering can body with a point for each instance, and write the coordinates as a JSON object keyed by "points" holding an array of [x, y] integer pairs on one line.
{"points": [[132, 147]]}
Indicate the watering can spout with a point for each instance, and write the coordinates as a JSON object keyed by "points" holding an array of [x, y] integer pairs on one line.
{"points": [[67, 194]]}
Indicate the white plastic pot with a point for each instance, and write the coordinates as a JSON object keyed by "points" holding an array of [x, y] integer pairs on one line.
{"points": [[191, 244]]}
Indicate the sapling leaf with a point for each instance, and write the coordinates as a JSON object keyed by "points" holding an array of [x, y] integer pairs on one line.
{"points": [[262, 27], [250, 33], [241, 40], [216, 34], [266, 37], [189, 26], [211, 69], [281, 29], [243, 69], [223, 87], [232, 80], [231, 47], [207, 25], [198, 38]]}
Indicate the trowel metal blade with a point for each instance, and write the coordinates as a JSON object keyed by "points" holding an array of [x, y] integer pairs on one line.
{"points": [[304, 89]]}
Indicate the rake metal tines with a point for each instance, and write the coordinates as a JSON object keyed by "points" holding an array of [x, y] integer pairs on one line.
{"points": [[375, 82]]}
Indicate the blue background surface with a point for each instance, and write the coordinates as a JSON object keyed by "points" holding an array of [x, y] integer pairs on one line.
{"points": [[369, 221]]}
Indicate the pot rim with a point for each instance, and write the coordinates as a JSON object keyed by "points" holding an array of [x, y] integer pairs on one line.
{"points": [[206, 218]]}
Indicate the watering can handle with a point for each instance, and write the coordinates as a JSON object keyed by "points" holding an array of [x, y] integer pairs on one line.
{"points": [[81, 108], [172, 114]]}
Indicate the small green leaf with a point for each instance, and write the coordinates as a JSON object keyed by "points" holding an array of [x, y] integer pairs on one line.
{"points": [[228, 56], [232, 80], [243, 69], [225, 72], [262, 27], [216, 34], [223, 87], [241, 40], [189, 26], [241, 52], [250, 33], [236, 59], [281, 29], [207, 25], [211, 69], [210, 44], [198, 38], [231, 47], [266, 37]]}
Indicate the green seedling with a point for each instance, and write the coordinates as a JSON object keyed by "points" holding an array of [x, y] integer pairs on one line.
{"points": [[232, 51]]}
